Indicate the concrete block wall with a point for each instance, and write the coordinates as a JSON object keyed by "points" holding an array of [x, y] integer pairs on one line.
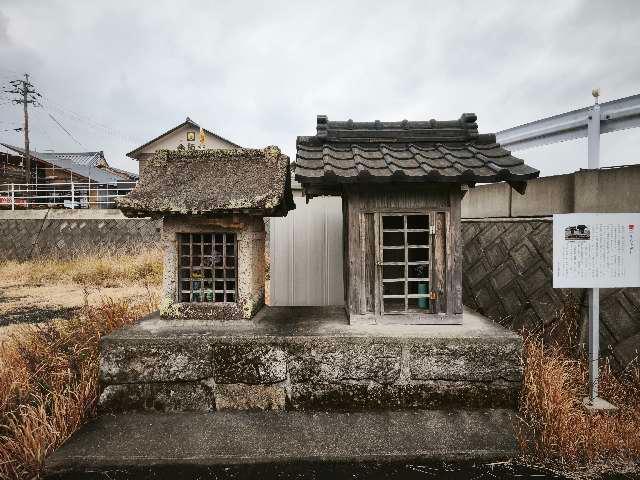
{"points": [[605, 190], [507, 276], [65, 233]]}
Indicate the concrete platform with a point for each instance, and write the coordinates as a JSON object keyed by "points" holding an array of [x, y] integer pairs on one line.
{"points": [[230, 444], [308, 358]]}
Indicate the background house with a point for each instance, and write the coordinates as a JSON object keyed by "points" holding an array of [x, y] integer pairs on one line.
{"points": [[188, 135], [52, 173]]}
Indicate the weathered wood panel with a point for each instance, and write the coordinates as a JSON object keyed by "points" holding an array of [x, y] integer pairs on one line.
{"points": [[369, 261], [440, 262], [356, 277], [386, 198], [455, 240]]}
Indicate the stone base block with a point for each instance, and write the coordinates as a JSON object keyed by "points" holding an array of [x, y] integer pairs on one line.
{"points": [[240, 396], [309, 358]]}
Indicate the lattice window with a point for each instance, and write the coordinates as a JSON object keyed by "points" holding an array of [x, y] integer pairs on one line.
{"points": [[406, 259], [208, 266]]}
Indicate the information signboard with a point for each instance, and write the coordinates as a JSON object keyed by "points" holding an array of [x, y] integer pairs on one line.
{"points": [[596, 250]]}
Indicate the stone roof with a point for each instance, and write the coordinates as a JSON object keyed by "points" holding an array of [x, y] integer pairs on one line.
{"points": [[210, 182], [422, 151]]}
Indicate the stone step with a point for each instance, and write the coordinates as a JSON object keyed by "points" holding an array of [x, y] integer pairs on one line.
{"points": [[235, 444]]}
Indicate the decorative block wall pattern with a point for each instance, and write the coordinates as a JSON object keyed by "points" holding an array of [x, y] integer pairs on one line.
{"points": [[507, 276], [23, 238]]}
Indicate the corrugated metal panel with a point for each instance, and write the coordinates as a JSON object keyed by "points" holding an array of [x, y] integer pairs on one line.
{"points": [[306, 254]]}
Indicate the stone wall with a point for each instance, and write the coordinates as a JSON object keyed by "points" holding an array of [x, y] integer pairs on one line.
{"points": [[508, 277], [307, 358], [66, 233]]}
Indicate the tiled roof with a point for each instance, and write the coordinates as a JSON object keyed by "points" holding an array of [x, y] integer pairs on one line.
{"points": [[430, 151], [210, 182], [86, 164]]}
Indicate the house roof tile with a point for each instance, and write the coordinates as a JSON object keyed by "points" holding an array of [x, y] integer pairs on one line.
{"points": [[422, 151]]}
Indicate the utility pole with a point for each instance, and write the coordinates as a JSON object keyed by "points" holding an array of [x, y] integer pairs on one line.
{"points": [[26, 94]]}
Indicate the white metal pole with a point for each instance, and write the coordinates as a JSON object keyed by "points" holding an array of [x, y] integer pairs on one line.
{"points": [[594, 341], [593, 153], [13, 197], [593, 135], [73, 196]]}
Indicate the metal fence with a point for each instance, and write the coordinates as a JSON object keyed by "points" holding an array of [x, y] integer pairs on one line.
{"points": [[306, 254], [62, 195]]}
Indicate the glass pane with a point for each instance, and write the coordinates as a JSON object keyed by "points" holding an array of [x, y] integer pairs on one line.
{"points": [[196, 238], [218, 238], [392, 221], [419, 288], [393, 271], [417, 221], [184, 250], [417, 238], [418, 254], [230, 249], [392, 238], [394, 255], [393, 288], [393, 305], [419, 303], [206, 250], [418, 271]]}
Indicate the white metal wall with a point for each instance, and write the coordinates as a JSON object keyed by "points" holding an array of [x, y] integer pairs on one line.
{"points": [[306, 254]]}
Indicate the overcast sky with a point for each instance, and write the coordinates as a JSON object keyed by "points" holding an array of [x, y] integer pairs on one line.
{"points": [[116, 74]]}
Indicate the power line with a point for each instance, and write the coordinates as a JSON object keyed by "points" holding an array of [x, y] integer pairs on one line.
{"points": [[87, 121], [65, 130]]}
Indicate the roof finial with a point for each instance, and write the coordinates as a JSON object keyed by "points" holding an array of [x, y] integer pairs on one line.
{"points": [[595, 93]]}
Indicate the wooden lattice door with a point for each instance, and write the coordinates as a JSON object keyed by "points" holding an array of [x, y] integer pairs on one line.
{"points": [[405, 251]]}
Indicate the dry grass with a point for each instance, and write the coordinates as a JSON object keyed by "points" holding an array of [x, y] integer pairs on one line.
{"points": [[100, 270], [48, 383], [556, 430], [48, 378]]}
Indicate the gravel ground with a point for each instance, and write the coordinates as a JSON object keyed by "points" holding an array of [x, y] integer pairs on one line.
{"points": [[29, 304]]}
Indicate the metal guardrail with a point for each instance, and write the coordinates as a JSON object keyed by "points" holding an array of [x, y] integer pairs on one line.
{"points": [[62, 195], [615, 115]]}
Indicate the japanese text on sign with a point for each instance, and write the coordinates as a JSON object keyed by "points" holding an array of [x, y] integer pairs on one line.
{"points": [[596, 250]]}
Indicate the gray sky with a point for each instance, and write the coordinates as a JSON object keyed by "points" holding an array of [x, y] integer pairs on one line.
{"points": [[117, 74]]}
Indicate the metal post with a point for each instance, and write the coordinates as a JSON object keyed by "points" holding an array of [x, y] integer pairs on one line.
{"points": [[73, 197], [593, 134], [13, 197], [593, 141], [594, 341], [593, 154]]}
